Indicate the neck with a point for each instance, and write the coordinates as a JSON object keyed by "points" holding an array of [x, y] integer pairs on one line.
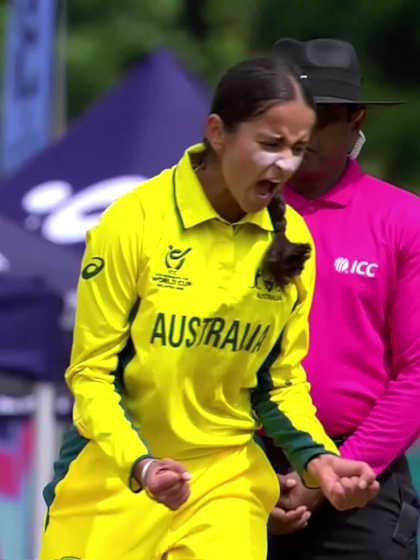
{"points": [[220, 198], [312, 185]]}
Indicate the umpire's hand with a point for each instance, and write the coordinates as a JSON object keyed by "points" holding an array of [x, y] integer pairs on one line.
{"points": [[345, 483], [166, 481]]}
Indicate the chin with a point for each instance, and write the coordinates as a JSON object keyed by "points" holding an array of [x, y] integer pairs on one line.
{"points": [[257, 206]]}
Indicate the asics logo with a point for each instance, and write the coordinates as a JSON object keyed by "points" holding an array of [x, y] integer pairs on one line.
{"points": [[93, 268], [362, 268]]}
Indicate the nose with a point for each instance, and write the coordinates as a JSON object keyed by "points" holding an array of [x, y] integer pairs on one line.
{"points": [[288, 163]]}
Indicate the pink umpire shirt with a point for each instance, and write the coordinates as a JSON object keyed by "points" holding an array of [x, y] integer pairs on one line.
{"points": [[364, 357]]}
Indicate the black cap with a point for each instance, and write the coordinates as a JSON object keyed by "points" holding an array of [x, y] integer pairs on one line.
{"points": [[331, 67]]}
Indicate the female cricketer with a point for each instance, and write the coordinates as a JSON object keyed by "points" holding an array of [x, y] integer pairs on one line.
{"points": [[190, 330]]}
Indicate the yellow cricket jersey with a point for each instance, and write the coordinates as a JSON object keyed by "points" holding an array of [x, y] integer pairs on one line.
{"points": [[181, 345]]}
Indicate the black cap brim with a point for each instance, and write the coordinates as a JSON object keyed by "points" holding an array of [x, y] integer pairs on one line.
{"points": [[336, 100]]}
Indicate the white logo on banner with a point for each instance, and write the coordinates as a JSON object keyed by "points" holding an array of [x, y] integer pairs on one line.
{"points": [[362, 268], [4, 264], [64, 217]]}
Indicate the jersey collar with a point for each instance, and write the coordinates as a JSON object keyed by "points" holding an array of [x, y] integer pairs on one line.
{"points": [[193, 206]]}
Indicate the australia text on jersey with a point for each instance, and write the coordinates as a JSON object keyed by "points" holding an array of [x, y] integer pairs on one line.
{"points": [[234, 335]]}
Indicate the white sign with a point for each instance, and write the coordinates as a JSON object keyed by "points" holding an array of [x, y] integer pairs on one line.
{"points": [[64, 217]]}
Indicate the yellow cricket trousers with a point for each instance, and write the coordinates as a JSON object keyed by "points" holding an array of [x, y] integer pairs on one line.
{"points": [[95, 517]]}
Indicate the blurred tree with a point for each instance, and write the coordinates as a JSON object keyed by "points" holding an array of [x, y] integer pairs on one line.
{"points": [[107, 38], [194, 18], [104, 39]]}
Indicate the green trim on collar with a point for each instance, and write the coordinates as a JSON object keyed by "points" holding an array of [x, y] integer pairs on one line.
{"points": [[192, 204], [178, 211]]}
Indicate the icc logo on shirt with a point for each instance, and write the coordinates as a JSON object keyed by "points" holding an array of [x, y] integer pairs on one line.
{"points": [[362, 268]]}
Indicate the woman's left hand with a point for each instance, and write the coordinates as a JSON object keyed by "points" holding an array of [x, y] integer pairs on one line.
{"points": [[345, 483]]}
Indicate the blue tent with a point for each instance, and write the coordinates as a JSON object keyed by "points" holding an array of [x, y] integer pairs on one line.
{"points": [[25, 255], [31, 343], [142, 126]]}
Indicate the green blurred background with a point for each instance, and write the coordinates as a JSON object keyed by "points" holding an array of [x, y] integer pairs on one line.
{"points": [[107, 37]]}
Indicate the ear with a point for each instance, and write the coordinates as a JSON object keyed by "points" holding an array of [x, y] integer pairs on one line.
{"points": [[215, 132], [357, 120]]}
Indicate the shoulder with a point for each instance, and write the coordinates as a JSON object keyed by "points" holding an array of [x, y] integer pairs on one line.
{"points": [[386, 197], [396, 208], [130, 210]]}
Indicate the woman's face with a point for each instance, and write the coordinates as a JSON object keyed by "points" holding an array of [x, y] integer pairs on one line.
{"points": [[259, 156]]}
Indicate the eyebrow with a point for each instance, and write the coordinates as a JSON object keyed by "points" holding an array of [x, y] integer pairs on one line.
{"points": [[271, 135], [277, 137]]}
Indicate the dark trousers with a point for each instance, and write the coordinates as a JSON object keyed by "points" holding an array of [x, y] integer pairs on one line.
{"points": [[386, 529]]}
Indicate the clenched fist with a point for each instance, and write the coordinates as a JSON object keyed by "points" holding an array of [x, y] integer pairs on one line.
{"points": [[166, 481], [345, 483]]}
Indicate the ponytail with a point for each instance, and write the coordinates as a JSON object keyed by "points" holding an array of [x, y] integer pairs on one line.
{"points": [[284, 260]]}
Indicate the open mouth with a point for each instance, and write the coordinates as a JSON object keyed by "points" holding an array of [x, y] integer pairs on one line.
{"points": [[265, 189]]}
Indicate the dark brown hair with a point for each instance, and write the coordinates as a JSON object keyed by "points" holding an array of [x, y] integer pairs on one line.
{"points": [[284, 260], [247, 90]]}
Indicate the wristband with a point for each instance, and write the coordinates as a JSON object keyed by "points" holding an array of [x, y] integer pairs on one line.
{"points": [[143, 477]]}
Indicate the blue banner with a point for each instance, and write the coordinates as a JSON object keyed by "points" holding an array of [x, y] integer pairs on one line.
{"points": [[27, 81]]}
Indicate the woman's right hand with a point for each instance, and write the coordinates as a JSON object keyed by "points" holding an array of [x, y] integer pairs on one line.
{"points": [[166, 480]]}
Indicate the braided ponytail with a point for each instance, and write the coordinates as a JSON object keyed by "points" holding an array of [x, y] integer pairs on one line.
{"points": [[284, 260]]}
